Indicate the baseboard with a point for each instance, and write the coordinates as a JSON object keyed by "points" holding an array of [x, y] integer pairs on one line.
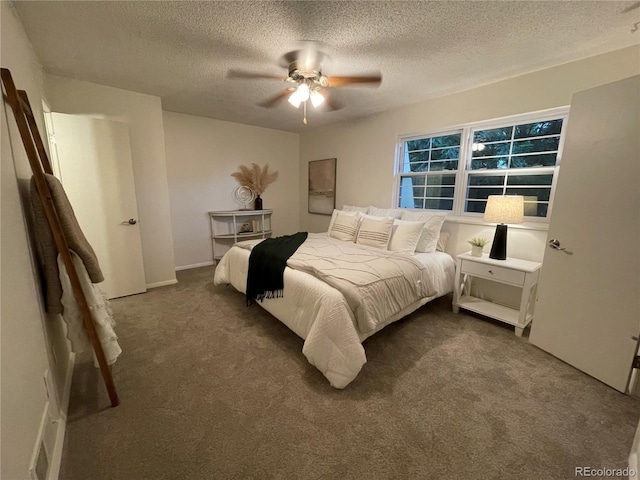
{"points": [[46, 458], [56, 457], [162, 284], [195, 265]]}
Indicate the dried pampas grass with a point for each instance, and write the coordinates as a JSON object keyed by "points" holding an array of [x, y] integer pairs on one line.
{"points": [[255, 177]]}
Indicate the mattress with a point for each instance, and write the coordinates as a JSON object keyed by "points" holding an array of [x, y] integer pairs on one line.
{"points": [[320, 314]]}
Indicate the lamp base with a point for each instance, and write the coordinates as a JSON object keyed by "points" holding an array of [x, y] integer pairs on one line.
{"points": [[499, 246]]}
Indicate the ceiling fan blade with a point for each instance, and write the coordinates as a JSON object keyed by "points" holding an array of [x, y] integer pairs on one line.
{"points": [[252, 75], [631, 7], [273, 101], [331, 104], [336, 81]]}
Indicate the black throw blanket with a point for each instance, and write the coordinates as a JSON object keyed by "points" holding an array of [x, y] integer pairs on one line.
{"points": [[267, 262]]}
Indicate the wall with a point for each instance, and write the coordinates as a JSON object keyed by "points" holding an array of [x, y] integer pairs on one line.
{"points": [[201, 155], [365, 148], [30, 341], [143, 113]]}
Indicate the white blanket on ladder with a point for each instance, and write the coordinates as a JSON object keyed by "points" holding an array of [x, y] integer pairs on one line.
{"points": [[100, 311]]}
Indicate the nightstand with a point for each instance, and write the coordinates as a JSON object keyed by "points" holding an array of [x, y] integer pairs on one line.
{"points": [[519, 273]]}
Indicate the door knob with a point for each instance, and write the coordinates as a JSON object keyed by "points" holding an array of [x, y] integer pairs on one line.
{"points": [[132, 221], [555, 244]]}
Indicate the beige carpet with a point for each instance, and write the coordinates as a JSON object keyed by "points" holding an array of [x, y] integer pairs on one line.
{"points": [[211, 389]]}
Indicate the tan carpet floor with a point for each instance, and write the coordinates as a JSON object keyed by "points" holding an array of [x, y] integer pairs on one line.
{"points": [[211, 389]]}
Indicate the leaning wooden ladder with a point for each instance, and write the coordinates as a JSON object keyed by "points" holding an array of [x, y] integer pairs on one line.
{"points": [[40, 165]]}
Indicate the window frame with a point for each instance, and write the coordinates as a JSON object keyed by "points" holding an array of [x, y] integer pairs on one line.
{"points": [[400, 164], [457, 213]]}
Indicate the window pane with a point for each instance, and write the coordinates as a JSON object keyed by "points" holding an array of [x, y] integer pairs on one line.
{"points": [[422, 144], [490, 163], [446, 141], [493, 135], [539, 129], [408, 202], [441, 180], [530, 179], [538, 145], [531, 194], [439, 204], [411, 181], [482, 193], [448, 165], [527, 161], [486, 180], [445, 153], [438, 195], [412, 191], [419, 156], [493, 150], [439, 192], [475, 206], [418, 167], [534, 209]]}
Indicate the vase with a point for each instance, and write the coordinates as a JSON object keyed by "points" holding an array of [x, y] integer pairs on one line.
{"points": [[257, 204], [476, 250]]}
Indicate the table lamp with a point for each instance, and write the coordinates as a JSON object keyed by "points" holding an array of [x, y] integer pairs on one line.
{"points": [[503, 210]]}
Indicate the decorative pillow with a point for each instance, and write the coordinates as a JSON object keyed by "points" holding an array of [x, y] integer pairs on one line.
{"points": [[385, 212], [345, 226], [351, 208], [375, 231], [431, 231], [335, 214], [405, 236], [442, 241]]}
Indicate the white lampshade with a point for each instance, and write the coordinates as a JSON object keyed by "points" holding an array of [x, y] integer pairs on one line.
{"points": [[504, 209]]}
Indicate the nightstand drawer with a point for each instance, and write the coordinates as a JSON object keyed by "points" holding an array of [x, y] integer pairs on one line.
{"points": [[500, 274]]}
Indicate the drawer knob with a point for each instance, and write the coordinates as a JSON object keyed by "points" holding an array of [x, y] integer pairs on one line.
{"points": [[491, 272]]}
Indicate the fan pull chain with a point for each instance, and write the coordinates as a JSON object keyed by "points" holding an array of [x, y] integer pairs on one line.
{"points": [[304, 117]]}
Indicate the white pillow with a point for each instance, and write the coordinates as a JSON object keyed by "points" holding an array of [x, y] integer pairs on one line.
{"points": [[335, 214], [442, 241], [405, 236], [431, 231], [345, 227], [351, 208], [375, 231], [385, 212]]}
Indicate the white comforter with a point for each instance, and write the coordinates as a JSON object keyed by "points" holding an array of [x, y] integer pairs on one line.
{"points": [[322, 316]]}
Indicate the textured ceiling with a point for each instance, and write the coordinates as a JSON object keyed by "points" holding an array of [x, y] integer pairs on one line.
{"points": [[181, 51]]}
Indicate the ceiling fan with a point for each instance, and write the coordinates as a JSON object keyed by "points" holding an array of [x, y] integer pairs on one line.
{"points": [[306, 80]]}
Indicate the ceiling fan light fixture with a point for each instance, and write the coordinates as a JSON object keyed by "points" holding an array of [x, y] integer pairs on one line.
{"points": [[316, 98], [303, 92], [294, 99]]}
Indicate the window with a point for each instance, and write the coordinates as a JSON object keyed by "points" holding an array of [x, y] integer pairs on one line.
{"points": [[429, 170], [458, 170]]}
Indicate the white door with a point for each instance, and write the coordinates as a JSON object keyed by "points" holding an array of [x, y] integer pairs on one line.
{"points": [[588, 309], [94, 165]]}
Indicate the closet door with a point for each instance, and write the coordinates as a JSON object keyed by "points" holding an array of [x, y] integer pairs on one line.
{"points": [[588, 310], [93, 161]]}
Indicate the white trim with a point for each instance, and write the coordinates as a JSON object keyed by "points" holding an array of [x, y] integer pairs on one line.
{"points": [[195, 265], [38, 444], [56, 457], [161, 284]]}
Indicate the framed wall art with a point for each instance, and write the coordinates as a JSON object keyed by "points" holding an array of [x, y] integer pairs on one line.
{"points": [[322, 186]]}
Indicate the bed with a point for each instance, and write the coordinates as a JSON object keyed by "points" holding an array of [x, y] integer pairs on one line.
{"points": [[333, 324]]}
